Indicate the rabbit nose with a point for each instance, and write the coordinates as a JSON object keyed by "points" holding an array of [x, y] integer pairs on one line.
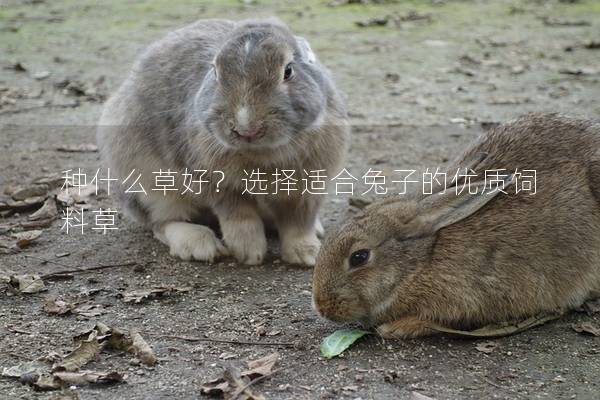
{"points": [[242, 125]]}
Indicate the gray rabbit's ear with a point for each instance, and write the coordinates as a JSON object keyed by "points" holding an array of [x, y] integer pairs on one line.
{"points": [[439, 210], [305, 50]]}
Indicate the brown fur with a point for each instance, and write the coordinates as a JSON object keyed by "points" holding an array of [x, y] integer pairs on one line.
{"points": [[508, 257]]}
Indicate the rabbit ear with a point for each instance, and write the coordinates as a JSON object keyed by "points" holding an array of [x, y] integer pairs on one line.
{"points": [[442, 209], [305, 50]]}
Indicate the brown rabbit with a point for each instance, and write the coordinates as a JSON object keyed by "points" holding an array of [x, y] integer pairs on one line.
{"points": [[469, 260]]}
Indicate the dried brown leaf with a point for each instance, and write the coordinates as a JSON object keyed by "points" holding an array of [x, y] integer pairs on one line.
{"points": [[28, 283], [86, 377], [48, 211], [78, 148], [117, 339], [20, 205], [141, 349], [586, 327], [419, 396], [89, 310], [26, 192], [486, 347], [24, 239], [232, 384], [29, 367], [137, 296], [54, 305], [87, 351], [261, 367]]}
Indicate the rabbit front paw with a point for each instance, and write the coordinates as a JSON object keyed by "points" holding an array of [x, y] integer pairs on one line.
{"points": [[319, 229], [191, 241], [300, 248], [246, 240]]}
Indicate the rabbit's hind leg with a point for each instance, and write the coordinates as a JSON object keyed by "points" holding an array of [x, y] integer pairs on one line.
{"points": [[593, 172], [408, 327]]}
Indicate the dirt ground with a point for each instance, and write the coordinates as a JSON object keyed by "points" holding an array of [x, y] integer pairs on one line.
{"points": [[419, 88]]}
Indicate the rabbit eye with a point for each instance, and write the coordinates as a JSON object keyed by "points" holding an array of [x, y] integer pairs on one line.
{"points": [[359, 257], [288, 72]]}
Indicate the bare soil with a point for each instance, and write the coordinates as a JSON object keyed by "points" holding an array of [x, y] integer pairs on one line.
{"points": [[418, 90]]}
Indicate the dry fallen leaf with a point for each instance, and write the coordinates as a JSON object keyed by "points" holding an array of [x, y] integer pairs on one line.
{"points": [[586, 327], [24, 239], [87, 351], [48, 211], [78, 148], [137, 296], [78, 195], [57, 380], [66, 371], [419, 396], [28, 283], [114, 338], [261, 367], [54, 305], [89, 310], [26, 192], [486, 347], [29, 367], [235, 385], [21, 205], [141, 349], [85, 377]]}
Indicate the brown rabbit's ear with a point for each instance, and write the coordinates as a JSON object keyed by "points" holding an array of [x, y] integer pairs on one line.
{"points": [[439, 210]]}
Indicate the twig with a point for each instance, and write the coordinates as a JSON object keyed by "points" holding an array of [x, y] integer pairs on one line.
{"points": [[13, 329], [237, 342], [89, 269], [80, 270], [33, 108], [44, 261], [252, 382]]}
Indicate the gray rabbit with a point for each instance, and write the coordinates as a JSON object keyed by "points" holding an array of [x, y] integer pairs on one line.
{"points": [[233, 97]]}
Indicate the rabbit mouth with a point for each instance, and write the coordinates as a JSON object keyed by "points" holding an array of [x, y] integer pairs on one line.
{"points": [[262, 140], [249, 136]]}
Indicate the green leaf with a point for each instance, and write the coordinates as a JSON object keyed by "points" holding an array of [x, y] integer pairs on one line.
{"points": [[335, 344]]}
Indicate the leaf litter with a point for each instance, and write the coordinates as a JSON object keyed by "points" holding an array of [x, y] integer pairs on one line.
{"points": [[138, 296], [586, 328], [59, 306], [27, 283], [487, 347], [235, 384], [67, 370]]}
